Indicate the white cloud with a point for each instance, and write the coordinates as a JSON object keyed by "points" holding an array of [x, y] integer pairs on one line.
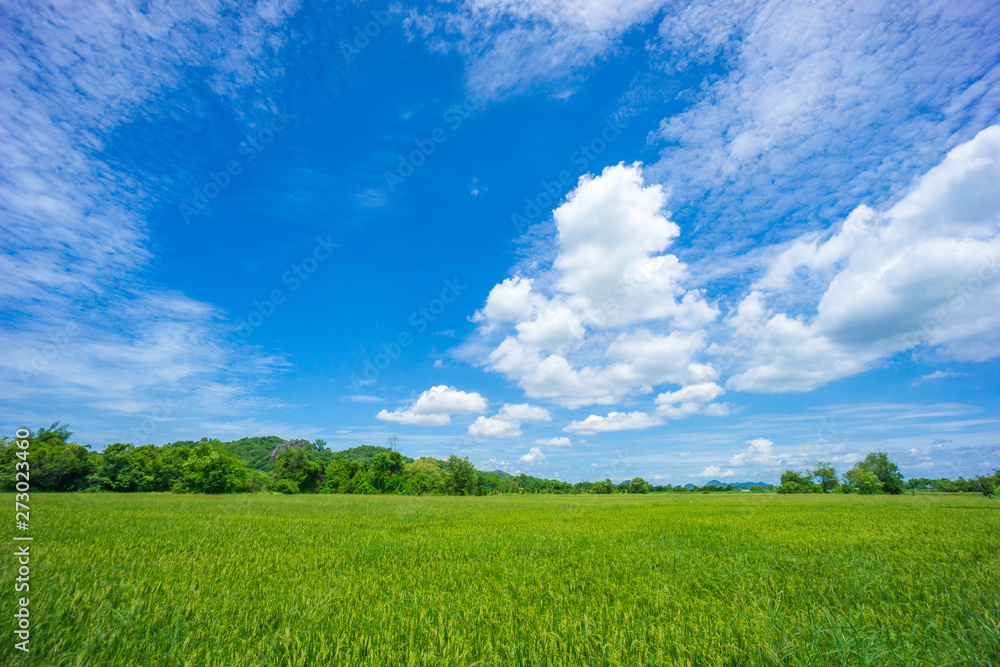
{"points": [[570, 331], [759, 450], [493, 427], [445, 399], [402, 416], [513, 45], [923, 273], [691, 400], [533, 456], [510, 301], [615, 421], [612, 237], [507, 422], [523, 412], [715, 472], [435, 406], [936, 375], [662, 359], [554, 442], [815, 107], [93, 331], [364, 398]]}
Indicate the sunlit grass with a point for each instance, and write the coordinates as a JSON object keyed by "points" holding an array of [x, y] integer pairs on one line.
{"points": [[127, 580]]}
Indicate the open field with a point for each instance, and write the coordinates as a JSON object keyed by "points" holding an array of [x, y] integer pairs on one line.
{"points": [[130, 580]]}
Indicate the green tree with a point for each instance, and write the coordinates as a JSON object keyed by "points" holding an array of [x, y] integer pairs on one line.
{"points": [[386, 471], [425, 476], [863, 480], [55, 463], [294, 465], [886, 471], [258, 480], [125, 468], [207, 470], [286, 486], [826, 475], [345, 476], [794, 482], [987, 484], [463, 475], [638, 485]]}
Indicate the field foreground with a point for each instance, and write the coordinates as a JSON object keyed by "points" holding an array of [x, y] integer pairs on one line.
{"points": [[257, 580]]}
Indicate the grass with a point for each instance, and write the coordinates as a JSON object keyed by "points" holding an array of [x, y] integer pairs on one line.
{"points": [[135, 580]]}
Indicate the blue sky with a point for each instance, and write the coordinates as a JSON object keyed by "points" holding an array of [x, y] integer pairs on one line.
{"points": [[576, 240]]}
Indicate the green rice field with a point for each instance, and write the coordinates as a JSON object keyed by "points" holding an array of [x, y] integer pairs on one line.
{"points": [[727, 579]]}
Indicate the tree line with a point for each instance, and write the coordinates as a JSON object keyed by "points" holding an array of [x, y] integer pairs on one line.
{"points": [[246, 465], [272, 464], [877, 474]]}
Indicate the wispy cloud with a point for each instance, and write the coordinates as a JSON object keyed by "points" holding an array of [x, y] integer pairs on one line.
{"points": [[86, 325], [364, 398], [817, 108], [936, 375], [511, 46]]}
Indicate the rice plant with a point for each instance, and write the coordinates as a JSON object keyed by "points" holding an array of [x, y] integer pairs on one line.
{"points": [[256, 580]]}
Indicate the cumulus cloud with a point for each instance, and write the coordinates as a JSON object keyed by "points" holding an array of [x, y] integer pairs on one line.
{"points": [[612, 315], [435, 406], [507, 422], [759, 450], [715, 472], [692, 400], [533, 456], [923, 273], [615, 421], [560, 441], [493, 427]]}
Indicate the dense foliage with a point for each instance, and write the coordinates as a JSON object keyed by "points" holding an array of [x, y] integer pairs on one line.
{"points": [[877, 474], [247, 465], [213, 466]]}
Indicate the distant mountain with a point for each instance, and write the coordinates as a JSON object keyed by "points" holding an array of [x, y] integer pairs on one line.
{"points": [[501, 473], [737, 485]]}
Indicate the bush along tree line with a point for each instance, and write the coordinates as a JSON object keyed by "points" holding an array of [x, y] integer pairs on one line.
{"points": [[877, 474], [273, 464]]}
